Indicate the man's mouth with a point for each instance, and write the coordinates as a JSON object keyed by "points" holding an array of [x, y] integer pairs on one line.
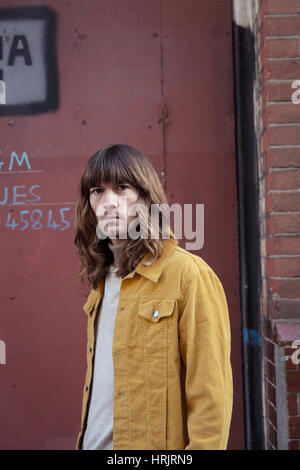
{"points": [[108, 220]]}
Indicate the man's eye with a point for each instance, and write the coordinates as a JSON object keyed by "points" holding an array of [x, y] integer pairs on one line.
{"points": [[94, 191], [123, 186]]}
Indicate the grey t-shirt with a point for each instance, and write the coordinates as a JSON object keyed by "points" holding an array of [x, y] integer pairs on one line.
{"points": [[99, 429]]}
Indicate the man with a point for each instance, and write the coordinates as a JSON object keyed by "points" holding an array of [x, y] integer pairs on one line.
{"points": [[158, 349]]}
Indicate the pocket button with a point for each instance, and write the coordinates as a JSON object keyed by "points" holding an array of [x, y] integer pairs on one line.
{"points": [[156, 313]]}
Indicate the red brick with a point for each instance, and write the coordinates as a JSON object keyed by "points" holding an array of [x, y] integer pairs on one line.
{"points": [[277, 91], [291, 365], [263, 56], [279, 202], [275, 7], [294, 445], [281, 70], [293, 359], [262, 12], [284, 288], [283, 223], [292, 403], [285, 135], [287, 245], [281, 113], [293, 382], [284, 309], [277, 48], [284, 157], [265, 118], [294, 426], [288, 351], [282, 179], [265, 95], [265, 74], [265, 140], [266, 164], [283, 267], [262, 36], [282, 26], [286, 333]]}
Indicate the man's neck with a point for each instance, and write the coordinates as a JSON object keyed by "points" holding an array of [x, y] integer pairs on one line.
{"points": [[116, 249]]}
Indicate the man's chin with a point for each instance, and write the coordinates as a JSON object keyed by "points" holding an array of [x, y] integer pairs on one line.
{"points": [[117, 234]]}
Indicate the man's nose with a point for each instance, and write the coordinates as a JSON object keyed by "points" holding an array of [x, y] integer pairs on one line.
{"points": [[109, 202]]}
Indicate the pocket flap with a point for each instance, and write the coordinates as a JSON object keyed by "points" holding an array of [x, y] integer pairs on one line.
{"points": [[155, 309]]}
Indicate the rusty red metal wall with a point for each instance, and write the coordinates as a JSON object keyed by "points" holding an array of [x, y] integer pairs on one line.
{"points": [[156, 75]]}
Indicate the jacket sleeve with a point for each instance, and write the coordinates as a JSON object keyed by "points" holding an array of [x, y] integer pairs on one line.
{"points": [[205, 344]]}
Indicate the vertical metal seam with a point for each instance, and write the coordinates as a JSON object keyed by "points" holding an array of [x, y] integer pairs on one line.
{"points": [[162, 97]]}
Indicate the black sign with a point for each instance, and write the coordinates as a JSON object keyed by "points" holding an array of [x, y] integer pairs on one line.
{"points": [[28, 67]]}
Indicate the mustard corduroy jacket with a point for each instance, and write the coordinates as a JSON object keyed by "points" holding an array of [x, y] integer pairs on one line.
{"points": [[171, 354]]}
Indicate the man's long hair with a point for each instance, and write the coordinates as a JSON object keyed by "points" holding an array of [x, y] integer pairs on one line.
{"points": [[118, 164]]}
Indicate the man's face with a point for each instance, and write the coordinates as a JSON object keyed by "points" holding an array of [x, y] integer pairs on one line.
{"points": [[111, 205]]}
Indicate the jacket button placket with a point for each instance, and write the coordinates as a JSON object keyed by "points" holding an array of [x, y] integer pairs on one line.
{"points": [[121, 411]]}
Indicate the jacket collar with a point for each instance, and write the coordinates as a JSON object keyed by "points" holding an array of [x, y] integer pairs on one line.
{"points": [[151, 271], [154, 270]]}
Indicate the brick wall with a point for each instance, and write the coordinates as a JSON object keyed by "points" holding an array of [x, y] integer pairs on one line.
{"points": [[277, 31]]}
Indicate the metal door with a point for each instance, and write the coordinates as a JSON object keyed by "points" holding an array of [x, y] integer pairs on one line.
{"points": [[157, 75]]}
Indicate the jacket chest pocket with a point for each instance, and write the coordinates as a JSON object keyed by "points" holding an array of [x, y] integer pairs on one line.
{"points": [[156, 319]]}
